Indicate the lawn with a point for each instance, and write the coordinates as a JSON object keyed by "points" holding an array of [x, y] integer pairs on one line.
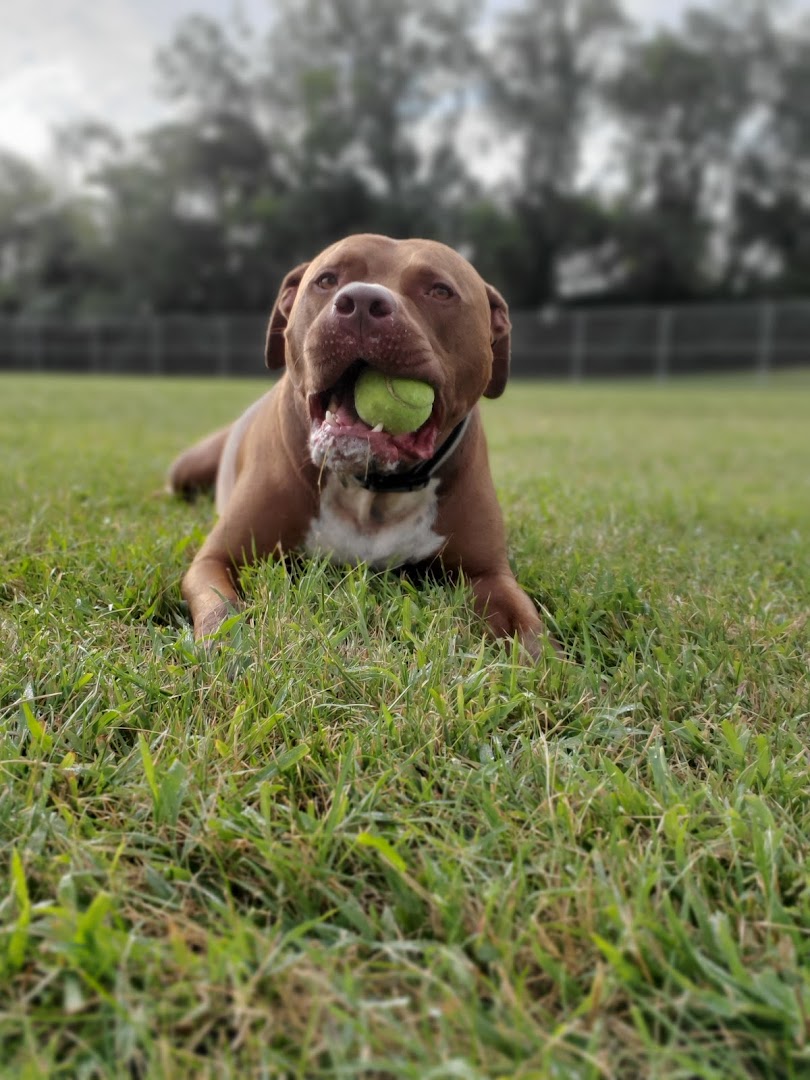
{"points": [[360, 840]]}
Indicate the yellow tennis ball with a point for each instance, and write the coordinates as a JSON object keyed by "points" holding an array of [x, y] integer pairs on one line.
{"points": [[400, 405]]}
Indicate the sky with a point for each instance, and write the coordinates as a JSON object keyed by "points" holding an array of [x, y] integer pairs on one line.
{"points": [[66, 59]]}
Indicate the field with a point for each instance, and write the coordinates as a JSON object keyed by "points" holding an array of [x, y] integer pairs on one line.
{"points": [[360, 840]]}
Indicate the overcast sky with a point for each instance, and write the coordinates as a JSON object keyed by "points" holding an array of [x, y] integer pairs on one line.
{"points": [[62, 59]]}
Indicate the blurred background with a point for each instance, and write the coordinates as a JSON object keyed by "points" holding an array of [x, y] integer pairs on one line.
{"points": [[634, 175]]}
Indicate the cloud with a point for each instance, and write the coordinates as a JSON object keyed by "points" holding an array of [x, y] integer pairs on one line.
{"points": [[35, 98], [64, 59], [61, 60]]}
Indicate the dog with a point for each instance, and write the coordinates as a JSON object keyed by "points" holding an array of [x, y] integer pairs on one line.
{"points": [[301, 472]]}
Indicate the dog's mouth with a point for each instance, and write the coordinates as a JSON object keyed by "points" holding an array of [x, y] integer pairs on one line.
{"points": [[339, 437]]}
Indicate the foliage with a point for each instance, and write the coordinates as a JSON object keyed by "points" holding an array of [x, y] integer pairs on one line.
{"points": [[359, 839], [672, 164], [772, 214]]}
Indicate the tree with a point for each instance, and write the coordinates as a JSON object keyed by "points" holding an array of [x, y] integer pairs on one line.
{"points": [[271, 155], [363, 86], [348, 117], [25, 198], [680, 98], [48, 243], [770, 243], [543, 80]]}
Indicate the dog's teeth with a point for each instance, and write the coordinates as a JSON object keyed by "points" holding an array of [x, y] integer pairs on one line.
{"points": [[333, 406], [329, 418], [378, 428]]}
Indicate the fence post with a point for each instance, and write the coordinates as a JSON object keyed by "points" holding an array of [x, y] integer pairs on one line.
{"points": [[662, 344], [17, 344], [94, 334], [155, 345], [765, 345], [223, 365], [36, 344], [578, 345]]}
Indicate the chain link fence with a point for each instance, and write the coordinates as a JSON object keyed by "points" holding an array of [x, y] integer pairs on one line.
{"points": [[564, 343]]}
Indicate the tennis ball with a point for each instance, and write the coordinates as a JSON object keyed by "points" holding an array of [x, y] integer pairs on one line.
{"points": [[400, 405]]}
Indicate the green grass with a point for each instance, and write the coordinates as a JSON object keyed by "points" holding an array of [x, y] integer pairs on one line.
{"points": [[360, 840]]}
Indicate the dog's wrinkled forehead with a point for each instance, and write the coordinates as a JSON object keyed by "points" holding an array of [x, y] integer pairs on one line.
{"points": [[397, 264]]}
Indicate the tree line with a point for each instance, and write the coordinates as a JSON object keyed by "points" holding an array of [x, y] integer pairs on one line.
{"points": [[573, 155]]}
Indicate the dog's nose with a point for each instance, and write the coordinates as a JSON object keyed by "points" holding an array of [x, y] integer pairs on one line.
{"points": [[360, 300]]}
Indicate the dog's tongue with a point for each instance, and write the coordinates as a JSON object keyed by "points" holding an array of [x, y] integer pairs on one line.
{"points": [[341, 422], [416, 445], [342, 425]]}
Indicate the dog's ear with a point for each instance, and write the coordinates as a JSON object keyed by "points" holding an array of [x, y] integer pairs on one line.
{"points": [[274, 355], [500, 330]]}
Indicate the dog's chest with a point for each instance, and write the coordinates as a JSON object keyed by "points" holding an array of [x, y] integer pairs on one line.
{"points": [[383, 529]]}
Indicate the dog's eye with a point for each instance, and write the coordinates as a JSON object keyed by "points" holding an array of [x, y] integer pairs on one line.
{"points": [[442, 291], [326, 280]]}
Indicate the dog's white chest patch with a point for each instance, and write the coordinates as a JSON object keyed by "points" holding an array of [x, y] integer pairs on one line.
{"points": [[383, 529]]}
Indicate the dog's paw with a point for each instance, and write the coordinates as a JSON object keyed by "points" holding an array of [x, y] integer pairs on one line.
{"points": [[215, 622]]}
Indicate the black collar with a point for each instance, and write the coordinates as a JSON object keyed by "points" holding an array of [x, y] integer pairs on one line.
{"points": [[420, 476]]}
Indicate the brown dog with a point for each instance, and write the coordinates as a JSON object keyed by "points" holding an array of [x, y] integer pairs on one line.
{"points": [[300, 471]]}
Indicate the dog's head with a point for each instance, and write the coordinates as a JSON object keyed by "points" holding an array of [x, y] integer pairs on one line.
{"points": [[412, 308]]}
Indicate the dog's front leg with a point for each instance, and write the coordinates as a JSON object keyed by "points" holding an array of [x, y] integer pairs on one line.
{"points": [[508, 611], [262, 518], [209, 589], [471, 520]]}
